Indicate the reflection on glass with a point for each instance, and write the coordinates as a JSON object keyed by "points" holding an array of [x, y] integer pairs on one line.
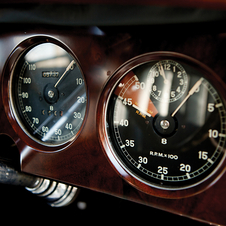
{"points": [[51, 94]]}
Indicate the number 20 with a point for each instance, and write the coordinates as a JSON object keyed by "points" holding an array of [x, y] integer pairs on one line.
{"points": [[185, 168]]}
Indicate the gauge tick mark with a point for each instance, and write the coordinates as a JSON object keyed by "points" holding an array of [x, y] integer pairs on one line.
{"points": [[222, 135], [210, 160], [218, 105]]}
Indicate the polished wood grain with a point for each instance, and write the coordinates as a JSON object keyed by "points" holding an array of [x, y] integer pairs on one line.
{"points": [[83, 162]]}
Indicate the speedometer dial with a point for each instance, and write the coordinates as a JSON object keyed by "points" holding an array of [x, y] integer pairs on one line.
{"points": [[169, 138], [48, 94]]}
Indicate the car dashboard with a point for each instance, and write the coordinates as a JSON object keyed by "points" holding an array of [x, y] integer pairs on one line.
{"points": [[125, 100]]}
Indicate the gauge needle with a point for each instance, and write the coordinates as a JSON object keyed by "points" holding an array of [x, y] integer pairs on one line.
{"points": [[162, 73], [148, 112], [69, 67], [141, 110], [191, 92]]}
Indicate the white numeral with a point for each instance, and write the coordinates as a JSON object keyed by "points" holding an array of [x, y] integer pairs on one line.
{"points": [[79, 81], [142, 159], [163, 170], [213, 133], [69, 126], [124, 122], [45, 129], [211, 107], [77, 115], [203, 155], [27, 80], [81, 99], [24, 95], [32, 67], [127, 101], [185, 168], [58, 132], [140, 85], [35, 120], [164, 141], [28, 108], [130, 143]]}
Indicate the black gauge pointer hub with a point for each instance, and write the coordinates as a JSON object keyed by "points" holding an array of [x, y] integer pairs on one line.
{"points": [[51, 94], [165, 125]]}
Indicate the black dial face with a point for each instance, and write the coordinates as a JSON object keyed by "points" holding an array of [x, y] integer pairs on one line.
{"points": [[166, 124], [169, 81], [50, 94]]}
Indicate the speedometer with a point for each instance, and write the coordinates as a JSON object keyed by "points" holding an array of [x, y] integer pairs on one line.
{"points": [[165, 123], [48, 94]]}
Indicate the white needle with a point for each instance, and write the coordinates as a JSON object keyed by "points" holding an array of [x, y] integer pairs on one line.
{"points": [[136, 107], [162, 73], [69, 67], [141, 110], [191, 92]]}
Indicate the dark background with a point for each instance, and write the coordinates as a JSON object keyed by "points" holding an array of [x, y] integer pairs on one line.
{"points": [[20, 206]]}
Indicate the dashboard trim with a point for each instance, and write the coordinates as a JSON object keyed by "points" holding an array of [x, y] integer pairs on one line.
{"points": [[83, 163]]}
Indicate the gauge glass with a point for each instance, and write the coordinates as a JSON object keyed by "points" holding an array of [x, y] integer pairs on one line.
{"points": [[166, 124], [49, 94]]}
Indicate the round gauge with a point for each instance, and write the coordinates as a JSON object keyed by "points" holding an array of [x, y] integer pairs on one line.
{"points": [[168, 145], [48, 94], [169, 80]]}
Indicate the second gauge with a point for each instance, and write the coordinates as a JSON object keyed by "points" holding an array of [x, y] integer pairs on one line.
{"points": [[166, 121], [169, 81], [48, 94]]}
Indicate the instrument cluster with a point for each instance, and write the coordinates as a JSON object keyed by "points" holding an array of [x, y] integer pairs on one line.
{"points": [[95, 110]]}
